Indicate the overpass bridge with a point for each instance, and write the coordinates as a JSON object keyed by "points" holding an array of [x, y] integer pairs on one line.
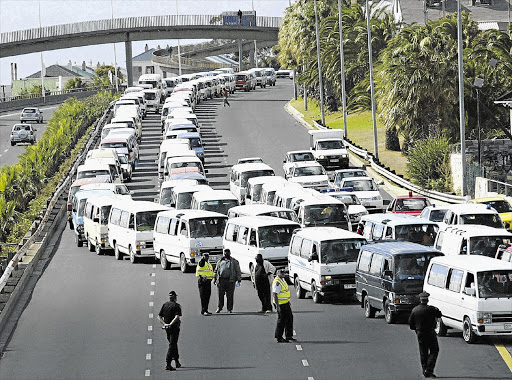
{"points": [[130, 29]]}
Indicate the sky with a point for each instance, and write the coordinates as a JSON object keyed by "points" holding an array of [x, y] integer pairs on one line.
{"points": [[24, 14]]}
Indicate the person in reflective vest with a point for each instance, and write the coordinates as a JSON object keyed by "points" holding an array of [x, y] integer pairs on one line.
{"points": [[204, 274], [281, 296]]}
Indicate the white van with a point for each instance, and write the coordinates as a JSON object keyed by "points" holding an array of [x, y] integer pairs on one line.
{"points": [[214, 200], [155, 80], [471, 240], [169, 146], [284, 195], [185, 161], [322, 210], [165, 194], [181, 195], [473, 294], [254, 186], [97, 210], [263, 210], [152, 100], [268, 192], [240, 174], [469, 213], [182, 236], [323, 260], [130, 228], [91, 170], [249, 235]]}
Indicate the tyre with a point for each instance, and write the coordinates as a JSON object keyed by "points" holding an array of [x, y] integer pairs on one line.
{"points": [[133, 259], [13, 143], [317, 297], [299, 292], [467, 331], [251, 271], [369, 310], [163, 261], [78, 242], [389, 314], [440, 327], [183, 264], [97, 248], [117, 253], [90, 247]]}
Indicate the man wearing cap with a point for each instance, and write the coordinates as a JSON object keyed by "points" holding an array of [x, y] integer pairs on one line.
{"points": [[227, 273], [281, 294], [423, 320], [169, 317], [204, 274]]}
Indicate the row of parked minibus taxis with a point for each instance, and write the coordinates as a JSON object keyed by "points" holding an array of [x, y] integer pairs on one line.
{"points": [[386, 263]]}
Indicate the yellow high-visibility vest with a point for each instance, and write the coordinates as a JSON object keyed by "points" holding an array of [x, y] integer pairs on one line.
{"points": [[284, 295], [205, 271]]}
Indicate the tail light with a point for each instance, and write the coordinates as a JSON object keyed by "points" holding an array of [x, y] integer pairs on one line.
{"points": [[410, 193]]}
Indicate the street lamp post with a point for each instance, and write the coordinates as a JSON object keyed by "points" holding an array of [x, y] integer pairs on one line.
{"points": [[462, 120], [179, 48], [372, 87], [478, 84], [342, 63], [115, 54], [320, 81], [42, 64]]}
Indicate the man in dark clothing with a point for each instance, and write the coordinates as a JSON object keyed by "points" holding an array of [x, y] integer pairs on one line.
{"points": [[169, 317], [240, 17], [227, 273], [423, 320], [204, 274], [263, 276]]}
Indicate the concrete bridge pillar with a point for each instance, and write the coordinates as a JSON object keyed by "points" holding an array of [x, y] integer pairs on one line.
{"points": [[240, 64], [129, 63], [251, 58]]}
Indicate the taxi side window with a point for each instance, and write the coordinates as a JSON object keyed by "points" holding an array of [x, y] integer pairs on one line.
{"points": [[378, 231], [364, 261], [173, 229], [376, 264], [242, 235], [305, 248], [125, 216], [295, 245]]}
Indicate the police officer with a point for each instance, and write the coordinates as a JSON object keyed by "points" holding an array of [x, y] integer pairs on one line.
{"points": [[204, 274], [423, 321], [281, 294], [169, 317]]}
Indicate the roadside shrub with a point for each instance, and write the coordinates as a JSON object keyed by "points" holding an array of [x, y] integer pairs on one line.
{"points": [[429, 164], [392, 141]]}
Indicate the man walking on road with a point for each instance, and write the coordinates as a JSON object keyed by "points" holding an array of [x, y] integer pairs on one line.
{"points": [[227, 273], [225, 95], [423, 321], [169, 317], [263, 275], [204, 274], [281, 294]]}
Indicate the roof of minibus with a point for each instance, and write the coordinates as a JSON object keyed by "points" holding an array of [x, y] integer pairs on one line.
{"points": [[193, 214], [327, 233], [262, 221], [84, 194], [136, 206], [476, 263], [251, 166], [106, 200], [391, 219], [257, 209], [207, 195]]}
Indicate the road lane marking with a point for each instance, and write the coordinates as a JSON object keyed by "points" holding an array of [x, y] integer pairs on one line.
{"points": [[153, 274], [299, 347], [148, 373], [311, 378], [150, 328], [150, 341], [305, 363], [154, 266], [148, 356], [294, 333], [153, 283], [150, 315], [151, 304], [5, 151], [152, 293], [505, 355]]}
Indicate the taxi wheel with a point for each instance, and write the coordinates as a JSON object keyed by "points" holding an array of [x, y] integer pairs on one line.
{"points": [[301, 293], [78, 242], [317, 297], [90, 247], [133, 259], [369, 310], [467, 331], [183, 264], [389, 314], [163, 261], [117, 252], [440, 327]]}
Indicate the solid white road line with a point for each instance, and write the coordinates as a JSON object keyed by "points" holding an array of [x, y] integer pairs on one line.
{"points": [[305, 363]]}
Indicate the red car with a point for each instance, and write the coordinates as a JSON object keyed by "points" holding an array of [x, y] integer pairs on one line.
{"points": [[409, 205]]}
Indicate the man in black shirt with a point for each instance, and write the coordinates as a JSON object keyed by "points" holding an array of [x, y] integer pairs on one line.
{"points": [[169, 317], [263, 277], [423, 320]]}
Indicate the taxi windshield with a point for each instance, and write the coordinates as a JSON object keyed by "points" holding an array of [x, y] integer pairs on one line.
{"points": [[487, 245], [303, 156], [412, 266], [495, 284], [207, 227], [146, 220], [308, 170], [326, 145], [491, 220], [335, 251], [254, 173], [275, 236], [361, 185], [417, 233], [316, 215]]}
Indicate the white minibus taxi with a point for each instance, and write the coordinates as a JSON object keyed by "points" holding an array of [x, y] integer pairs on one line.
{"points": [[473, 293], [130, 228], [262, 210], [247, 236], [241, 173], [181, 195], [323, 260], [165, 193], [254, 186], [169, 146], [182, 236], [214, 200]]}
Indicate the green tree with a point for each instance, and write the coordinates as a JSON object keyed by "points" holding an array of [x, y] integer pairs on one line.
{"points": [[75, 83], [102, 75]]}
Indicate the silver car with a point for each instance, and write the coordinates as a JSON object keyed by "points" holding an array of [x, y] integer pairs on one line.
{"points": [[23, 133], [31, 114]]}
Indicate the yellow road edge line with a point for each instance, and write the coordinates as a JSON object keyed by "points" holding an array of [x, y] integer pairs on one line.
{"points": [[505, 355]]}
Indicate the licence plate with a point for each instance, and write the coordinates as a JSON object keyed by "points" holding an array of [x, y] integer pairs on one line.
{"points": [[349, 286], [336, 160], [214, 258], [508, 326]]}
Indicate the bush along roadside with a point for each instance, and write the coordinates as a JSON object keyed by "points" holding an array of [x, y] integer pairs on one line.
{"points": [[27, 185]]}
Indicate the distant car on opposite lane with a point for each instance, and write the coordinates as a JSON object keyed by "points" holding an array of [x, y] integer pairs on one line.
{"points": [[31, 114]]}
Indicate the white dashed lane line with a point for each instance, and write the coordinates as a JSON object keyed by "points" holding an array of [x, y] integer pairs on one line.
{"points": [[148, 373], [152, 293], [150, 328], [150, 315], [150, 341], [305, 363], [151, 304], [299, 347]]}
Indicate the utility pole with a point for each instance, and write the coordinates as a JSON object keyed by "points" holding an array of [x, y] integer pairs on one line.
{"points": [[179, 48], [320, 81], [342, 61], [43, 71], [372, 86], [115, 55], [462, 120]]}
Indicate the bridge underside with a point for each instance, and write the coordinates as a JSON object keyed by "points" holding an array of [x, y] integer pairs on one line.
{"points": [[128, 35]]}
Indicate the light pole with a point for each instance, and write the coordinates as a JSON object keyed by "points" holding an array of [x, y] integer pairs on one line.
{"points": [[179, 49], [462, 120], [115, 55], [478, 84], [42, 64], [342, 62], [320, 81], [372, 87]]}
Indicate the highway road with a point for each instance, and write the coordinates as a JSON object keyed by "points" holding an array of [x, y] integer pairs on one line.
{"points": [[92, 317], [9, 154]]}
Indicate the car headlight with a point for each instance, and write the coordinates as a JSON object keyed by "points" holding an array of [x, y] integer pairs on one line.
{"points": [[484, 317], [326, 280], [321, 157], [344, 155], [103, 238], [79, 229], [141, 244], [403, 298], [377, 198]]}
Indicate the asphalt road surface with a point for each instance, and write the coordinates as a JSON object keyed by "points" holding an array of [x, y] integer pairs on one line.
{"points": [[9, 154], [92, 317]]}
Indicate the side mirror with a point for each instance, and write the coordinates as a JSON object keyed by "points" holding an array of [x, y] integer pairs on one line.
{"points": [[507, 226], [284, 161], [470, 291], [248, 196], [380, 183], [206, 171], [388, 273], [96, 220], [313, 257]]}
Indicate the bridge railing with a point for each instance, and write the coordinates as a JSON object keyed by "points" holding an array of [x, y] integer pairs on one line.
{"points": [[121, 24]]}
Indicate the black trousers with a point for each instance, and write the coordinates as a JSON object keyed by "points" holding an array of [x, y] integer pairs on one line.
{"points": [[263, 289], [226, 287], [429, 349], [205, 291], [173, 334], [284, 321]]}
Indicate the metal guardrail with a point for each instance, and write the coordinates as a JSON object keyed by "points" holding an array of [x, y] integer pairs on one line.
{"points": [[448, 198], [51, 93], [120, 24], [51, 204]]}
